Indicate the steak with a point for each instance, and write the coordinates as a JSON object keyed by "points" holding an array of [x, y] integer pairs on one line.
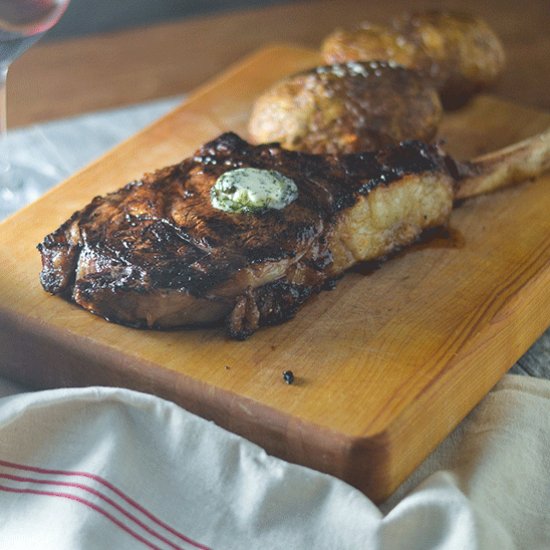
{"points": [[157, 254]]}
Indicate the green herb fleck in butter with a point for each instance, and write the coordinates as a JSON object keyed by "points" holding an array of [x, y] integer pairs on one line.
{"points": [[252, 190]]}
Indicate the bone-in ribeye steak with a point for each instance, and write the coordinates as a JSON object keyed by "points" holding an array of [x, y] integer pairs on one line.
{"points": [[156, 254]]}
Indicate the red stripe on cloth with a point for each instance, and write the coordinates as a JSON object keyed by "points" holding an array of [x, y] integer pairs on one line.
{"points": [[97, 494], [85, 502], [115, 490]]}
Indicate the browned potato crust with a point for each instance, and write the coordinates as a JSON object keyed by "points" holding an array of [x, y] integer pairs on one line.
{"points": [[347, 108], [458, 52]]}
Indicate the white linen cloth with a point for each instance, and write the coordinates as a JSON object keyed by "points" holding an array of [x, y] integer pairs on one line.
{"points": [[104, 468], [50, 152]]}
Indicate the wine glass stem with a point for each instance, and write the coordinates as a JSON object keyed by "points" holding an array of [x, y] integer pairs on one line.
{"points": [[4, 153]]}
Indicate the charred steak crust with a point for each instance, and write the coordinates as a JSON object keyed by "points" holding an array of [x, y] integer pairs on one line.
{"points": [[156, 253]]}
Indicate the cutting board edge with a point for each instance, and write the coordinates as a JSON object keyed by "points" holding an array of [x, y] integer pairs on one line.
{"points": [[490, 343], [69, 360]]}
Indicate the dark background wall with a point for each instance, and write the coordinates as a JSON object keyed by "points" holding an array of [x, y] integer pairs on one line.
{"points": [[93, 16]]}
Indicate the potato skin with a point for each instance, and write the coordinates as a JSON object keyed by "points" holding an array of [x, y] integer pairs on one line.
{"points": [[459, 53], [347, 108]]}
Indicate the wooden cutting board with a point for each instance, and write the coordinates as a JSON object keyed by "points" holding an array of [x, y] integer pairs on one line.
{"points": [[386, 365]]}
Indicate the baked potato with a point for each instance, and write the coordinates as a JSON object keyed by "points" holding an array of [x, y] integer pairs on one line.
{"points": [[458, 53], [347, 108]]}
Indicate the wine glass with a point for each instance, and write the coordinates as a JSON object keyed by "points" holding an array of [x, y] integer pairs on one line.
{"points": [[22, 23]]}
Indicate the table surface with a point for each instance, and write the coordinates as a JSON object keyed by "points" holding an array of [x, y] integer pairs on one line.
{"points": [[73, 76]]}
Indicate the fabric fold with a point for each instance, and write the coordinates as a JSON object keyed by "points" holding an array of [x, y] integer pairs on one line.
{"points": [[111, 468]]}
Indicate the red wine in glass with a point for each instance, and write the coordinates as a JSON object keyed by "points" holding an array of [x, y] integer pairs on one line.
{"points": [[22, 23]]}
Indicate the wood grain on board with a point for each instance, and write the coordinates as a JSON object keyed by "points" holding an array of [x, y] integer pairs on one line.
{"points": [[386, 365]]}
